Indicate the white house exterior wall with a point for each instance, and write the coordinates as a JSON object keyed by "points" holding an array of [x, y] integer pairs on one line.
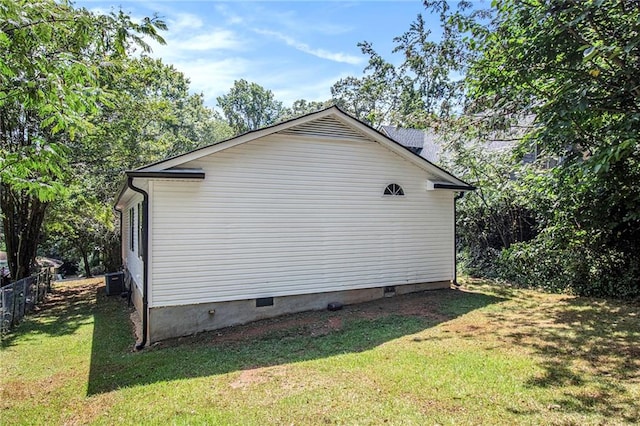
{"points": [[131, 259], [282, 216]]}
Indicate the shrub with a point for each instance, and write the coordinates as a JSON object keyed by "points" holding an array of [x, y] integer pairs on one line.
{"points": [[581, 269]]}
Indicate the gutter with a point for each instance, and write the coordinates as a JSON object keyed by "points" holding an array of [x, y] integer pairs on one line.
{"points": [[145, 258], [195, 174], [455, 239]]}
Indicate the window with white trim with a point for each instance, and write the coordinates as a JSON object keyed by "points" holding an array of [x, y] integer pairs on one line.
{"points": [[393, 189]]}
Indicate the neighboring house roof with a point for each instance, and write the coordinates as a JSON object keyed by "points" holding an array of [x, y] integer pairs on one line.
{"points": [[429, 145], [411, 138], [49, 262], [422, 142], [329, 123]]}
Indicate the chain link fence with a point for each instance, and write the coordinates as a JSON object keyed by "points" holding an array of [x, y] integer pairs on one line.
{"points": [[19, 298]]}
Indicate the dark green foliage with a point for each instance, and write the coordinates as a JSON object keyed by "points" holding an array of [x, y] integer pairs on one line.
{"points": [[574, 67], [582, 269], [498, 214], [426, 86], [53, 60], [559, 81], [249, 106], [76, 109]]}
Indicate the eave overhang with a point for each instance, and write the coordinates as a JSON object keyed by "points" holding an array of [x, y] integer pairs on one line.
{"points": [[188, 174], [183, 175], [435, 185]]}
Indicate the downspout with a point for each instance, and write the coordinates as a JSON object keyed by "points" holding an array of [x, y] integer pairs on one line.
{"points": [[458, 196], [145, 258]]}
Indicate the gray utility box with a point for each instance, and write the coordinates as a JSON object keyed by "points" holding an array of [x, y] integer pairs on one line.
{"points": [[115, 283]]}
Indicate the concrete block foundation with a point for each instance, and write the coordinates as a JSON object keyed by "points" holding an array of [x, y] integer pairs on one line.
{"points": [[175, 321]]}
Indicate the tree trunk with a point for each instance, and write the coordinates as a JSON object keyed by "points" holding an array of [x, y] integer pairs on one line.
{"points": [[85, 261], [111, 248], [22, 217]]}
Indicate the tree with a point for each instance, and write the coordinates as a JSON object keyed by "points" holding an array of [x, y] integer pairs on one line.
{"points": [[302, 107], [427, 86], [78, 224], [574, 67], [153, 117], [54, 57], [499, 213], [365, 98], [249, 106]]}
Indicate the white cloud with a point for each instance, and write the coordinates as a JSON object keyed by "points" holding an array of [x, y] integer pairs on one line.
{"points": [[214, 39], [319, 91], [182, 46], [185, 21], [230, 17], [320, 53], [213, 77], [219, 46]]}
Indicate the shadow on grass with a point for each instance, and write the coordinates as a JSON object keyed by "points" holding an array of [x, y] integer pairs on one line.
{"points": [[65, 310], [590, 348], [293, 338]]}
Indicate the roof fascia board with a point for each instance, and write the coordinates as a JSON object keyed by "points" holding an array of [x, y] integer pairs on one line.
{"points": [[434, 186], [168, 174]]}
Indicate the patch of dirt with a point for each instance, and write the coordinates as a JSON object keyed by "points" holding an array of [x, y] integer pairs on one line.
{"points": [[319, 323], [258, 375], [136, 324], [66, 293], [249, 377], [19, 390]]}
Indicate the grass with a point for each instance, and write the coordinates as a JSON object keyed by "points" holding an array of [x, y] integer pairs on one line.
{"points": [[485, 354]]}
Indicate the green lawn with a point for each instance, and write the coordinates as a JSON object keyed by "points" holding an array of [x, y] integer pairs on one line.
{"points": [[484, 354]]}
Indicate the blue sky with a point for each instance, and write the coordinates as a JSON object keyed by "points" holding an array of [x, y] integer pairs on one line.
{"points": [[297, 49]]}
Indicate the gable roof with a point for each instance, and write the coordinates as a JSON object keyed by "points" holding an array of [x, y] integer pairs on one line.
{"points": [[331, 122]]}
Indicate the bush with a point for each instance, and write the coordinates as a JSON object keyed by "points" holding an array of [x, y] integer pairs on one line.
{"points": [[533, 264], [581, 269], [97, 270], [69, 267], [477, 262]]}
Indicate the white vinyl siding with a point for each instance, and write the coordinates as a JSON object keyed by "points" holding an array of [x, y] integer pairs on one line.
{"points": [[285, 215], [131, 259]]}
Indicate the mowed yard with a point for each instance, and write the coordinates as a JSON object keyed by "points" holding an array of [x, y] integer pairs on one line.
{"points": [[483, 354]]}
